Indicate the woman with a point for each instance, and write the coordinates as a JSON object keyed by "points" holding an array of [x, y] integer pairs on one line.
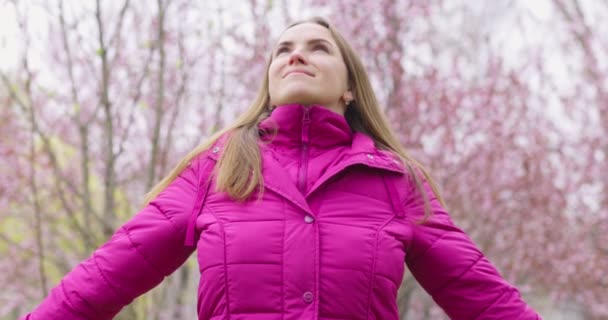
{"points": [[305, 208]]}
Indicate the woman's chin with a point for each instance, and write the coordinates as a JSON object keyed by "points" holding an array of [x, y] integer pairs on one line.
{"points": [[301, 98]]}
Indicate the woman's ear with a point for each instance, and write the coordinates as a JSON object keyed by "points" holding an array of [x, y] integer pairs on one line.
{"points": [[347, 97]]}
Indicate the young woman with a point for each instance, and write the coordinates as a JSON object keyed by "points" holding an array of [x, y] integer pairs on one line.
{"points": [[306, 207]]}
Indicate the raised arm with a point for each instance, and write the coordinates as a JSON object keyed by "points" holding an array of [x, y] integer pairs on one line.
{"points": [[139, 255], [451, 268]]}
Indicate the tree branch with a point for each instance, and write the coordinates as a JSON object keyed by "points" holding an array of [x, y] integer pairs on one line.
{"points": [[160, 96], [110, 158]]}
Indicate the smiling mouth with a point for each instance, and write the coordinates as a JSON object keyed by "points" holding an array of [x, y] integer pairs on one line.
{"points": [[296, 72]]}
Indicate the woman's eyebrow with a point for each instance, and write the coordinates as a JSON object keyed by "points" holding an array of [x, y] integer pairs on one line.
{"points": [[311, 41]]}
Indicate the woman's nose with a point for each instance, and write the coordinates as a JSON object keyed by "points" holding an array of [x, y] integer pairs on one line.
{"points": [[296, 57]]}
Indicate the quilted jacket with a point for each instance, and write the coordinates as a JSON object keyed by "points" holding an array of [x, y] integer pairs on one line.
{"points": [[329, 239]]}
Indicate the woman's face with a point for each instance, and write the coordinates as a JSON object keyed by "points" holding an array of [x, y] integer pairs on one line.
{"points": [[307, 68]]}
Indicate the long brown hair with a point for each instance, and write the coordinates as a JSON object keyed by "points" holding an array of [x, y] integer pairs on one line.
{"points": [[241, 153]]}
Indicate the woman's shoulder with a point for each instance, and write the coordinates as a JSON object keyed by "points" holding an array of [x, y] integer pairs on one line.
{"points": [[214, 149], [206, 156]]}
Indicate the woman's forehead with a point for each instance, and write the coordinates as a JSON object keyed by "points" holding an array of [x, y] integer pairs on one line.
{"points": [[304, 32]]}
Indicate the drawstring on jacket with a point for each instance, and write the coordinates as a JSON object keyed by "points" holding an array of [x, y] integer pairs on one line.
{"points": [[200, 202]]}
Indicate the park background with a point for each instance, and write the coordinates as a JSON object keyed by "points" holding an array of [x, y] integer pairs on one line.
{"points": [[505, 101]]}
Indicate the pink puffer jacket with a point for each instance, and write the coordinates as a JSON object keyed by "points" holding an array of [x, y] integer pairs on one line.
{"points": [[328, 239]]}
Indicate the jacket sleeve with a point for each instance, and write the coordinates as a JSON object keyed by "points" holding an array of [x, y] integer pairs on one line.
{"points": [[139, 255], [450, 267]]}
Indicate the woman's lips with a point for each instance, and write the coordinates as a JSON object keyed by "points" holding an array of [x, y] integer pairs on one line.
{"points": [[301, 72]]}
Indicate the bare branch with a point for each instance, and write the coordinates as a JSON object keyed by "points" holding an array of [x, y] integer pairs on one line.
{"points": [[114, 40], [110, 159], [160, 96], [173, 121], [82, 127], [59, 177], [29, 252], [138, 92]]}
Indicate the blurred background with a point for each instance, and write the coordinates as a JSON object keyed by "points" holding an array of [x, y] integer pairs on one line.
{"points": [[506, 102]]}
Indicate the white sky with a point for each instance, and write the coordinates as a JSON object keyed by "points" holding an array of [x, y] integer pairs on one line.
{"points": [[8, 37]]}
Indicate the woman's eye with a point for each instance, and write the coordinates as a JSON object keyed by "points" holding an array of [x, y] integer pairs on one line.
{"points": [[321, 47], [281, 50]]}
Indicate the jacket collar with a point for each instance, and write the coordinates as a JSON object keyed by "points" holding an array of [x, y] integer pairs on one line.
{"points": [[285, 128], [327, 129]]}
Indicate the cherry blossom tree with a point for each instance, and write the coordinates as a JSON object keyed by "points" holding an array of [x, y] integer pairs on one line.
{"points": [[507, 109]]}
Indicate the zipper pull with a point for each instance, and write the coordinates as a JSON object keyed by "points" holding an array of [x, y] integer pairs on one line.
{"points": [[306, 118], [305, 125]]}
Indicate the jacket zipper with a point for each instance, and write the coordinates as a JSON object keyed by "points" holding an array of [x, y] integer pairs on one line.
{"points": [[304, 159]]}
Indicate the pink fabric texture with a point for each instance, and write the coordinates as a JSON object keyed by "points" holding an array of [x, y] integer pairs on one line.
{"points": [[328, 239]]}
